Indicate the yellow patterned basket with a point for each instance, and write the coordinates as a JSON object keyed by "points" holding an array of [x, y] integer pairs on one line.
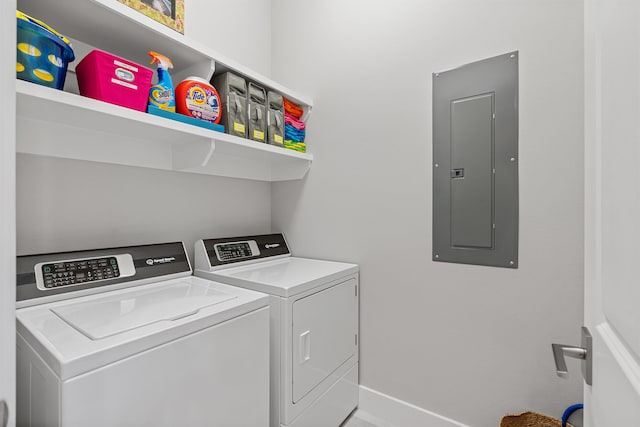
{"points": [[42, 54]]}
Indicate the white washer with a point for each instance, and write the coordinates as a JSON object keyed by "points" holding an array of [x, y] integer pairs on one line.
{"points": [[127, 337], [314, 324]]}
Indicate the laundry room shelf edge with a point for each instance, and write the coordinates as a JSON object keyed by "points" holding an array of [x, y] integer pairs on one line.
{"points": [[76, 126]]}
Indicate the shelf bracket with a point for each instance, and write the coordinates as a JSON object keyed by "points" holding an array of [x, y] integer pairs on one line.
{"points": [[288, 172], [207, 158], [193, 156], [306, 169]]}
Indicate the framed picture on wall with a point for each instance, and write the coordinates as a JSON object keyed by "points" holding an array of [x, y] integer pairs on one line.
{"points": [[167, 12]]}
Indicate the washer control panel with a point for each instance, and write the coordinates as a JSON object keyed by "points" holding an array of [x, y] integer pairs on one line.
{"points": [[56, 274], [232, 251]]}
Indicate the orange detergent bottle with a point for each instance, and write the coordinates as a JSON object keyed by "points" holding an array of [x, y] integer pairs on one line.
{"points": [[195, 97]]}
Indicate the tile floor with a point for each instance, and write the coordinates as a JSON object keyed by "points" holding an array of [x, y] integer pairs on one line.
{"points": [[354, 421], [361, 419]]}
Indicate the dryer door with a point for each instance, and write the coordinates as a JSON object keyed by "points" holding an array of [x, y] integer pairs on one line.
{"points": [[325, 327]]}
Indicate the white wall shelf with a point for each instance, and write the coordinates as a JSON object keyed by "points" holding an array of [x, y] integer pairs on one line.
{"points": [[77, 128], [116, 28], [81, 128]]}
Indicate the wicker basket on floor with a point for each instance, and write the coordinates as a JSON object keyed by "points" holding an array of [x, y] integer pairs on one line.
{"points": [[530, 419]]}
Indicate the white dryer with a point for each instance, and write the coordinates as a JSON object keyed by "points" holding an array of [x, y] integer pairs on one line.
{"points": [[127, 337], [314, 324]]}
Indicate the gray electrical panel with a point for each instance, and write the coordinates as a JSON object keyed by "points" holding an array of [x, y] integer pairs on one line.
{"points": [[475, 163]]}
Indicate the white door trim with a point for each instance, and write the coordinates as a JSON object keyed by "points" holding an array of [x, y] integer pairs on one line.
{"points": [[612, 157], [7, 205]]}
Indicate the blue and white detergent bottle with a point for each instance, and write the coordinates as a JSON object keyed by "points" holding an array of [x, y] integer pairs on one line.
{"points": [[161, 95]]}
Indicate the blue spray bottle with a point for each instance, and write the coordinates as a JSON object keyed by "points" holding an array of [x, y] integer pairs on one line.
{"points": [[161, 95]]}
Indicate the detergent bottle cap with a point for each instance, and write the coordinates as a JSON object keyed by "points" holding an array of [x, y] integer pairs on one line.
{"points": [[163, 61], [197, 79]]}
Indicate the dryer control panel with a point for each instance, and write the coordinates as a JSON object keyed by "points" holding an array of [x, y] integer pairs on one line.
{"points": [[236, 250], [79, 271], [211, 253]]}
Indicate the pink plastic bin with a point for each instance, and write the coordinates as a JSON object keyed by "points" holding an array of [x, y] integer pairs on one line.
{"points": [[112, 79]]}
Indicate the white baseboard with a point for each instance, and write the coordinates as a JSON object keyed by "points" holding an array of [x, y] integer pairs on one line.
{"points": [[386, 411]]}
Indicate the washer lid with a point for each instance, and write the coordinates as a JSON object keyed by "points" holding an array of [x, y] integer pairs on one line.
{"points": [[77, 336], [284, 277], [112, 315]]}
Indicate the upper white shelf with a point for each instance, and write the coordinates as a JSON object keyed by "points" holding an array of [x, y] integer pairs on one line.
{"points": [[61, 124], [116, 28]]}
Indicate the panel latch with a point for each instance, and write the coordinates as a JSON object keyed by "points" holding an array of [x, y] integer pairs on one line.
{"points": [[457, 173]]}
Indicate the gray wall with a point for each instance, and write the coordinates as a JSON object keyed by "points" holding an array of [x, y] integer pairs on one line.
{"points": [[238, 29], [471, 343], [137, 205], [56, 209]]}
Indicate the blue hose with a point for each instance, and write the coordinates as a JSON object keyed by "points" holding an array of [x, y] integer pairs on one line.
{"points": [[570, 410]]}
